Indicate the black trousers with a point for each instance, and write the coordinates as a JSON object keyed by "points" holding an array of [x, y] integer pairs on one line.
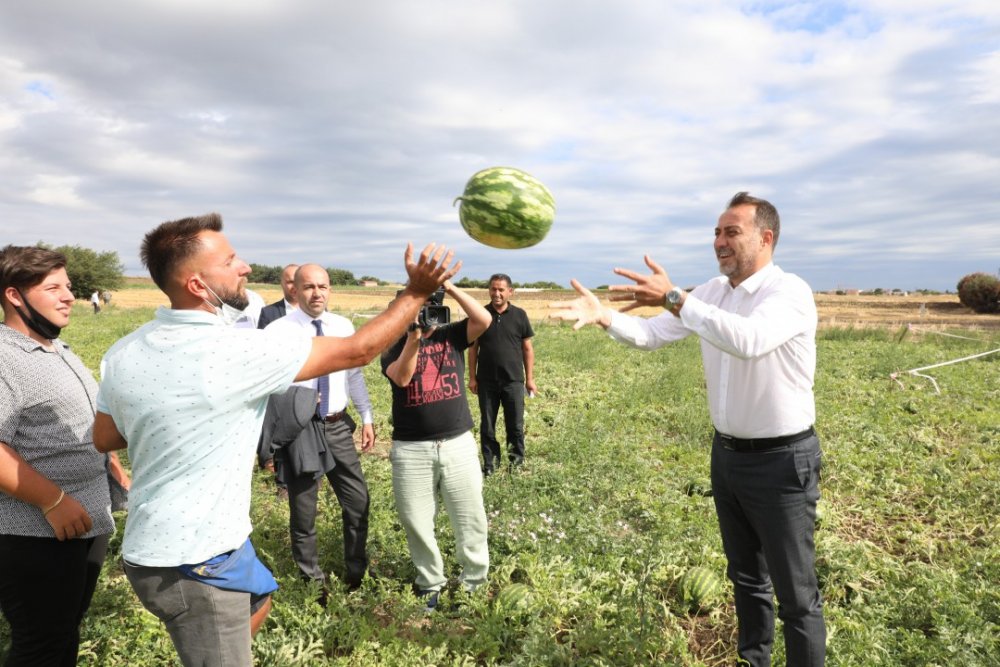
{"points": [[766, 505], [348, 482], [511, 396], [45, 589]]}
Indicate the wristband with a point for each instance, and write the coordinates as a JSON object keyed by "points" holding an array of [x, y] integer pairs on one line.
{"points": [[62, 494]]}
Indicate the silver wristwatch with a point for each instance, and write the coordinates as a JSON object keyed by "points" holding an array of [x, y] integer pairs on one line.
{"points": [[673, 298]]}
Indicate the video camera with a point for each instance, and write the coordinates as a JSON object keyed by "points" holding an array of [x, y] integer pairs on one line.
{"points": [[433, 313]]}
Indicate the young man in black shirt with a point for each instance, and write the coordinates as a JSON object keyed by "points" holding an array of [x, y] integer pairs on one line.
{"points": [[433, 449]]}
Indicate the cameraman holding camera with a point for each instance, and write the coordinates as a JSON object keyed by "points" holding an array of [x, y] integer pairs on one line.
{"points": [[432, 444]]}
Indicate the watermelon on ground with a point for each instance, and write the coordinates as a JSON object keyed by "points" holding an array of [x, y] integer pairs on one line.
{"points": [[506, 208], [699, 588], [514, 597]]}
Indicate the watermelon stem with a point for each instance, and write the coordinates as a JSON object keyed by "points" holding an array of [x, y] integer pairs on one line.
{"points": [[457, 199]]}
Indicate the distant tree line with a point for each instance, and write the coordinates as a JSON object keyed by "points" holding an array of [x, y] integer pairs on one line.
{"points": [[90, 271], [472, 283], [271, 275]]}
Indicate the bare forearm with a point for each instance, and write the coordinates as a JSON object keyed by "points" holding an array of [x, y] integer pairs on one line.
{"points": [[331, 354], [107, 437], [473, 360], [479, 317], [20, 480], [118, 470], [402, 369]]}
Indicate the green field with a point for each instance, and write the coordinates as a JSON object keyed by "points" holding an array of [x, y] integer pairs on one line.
{"points": [[608, 514]]}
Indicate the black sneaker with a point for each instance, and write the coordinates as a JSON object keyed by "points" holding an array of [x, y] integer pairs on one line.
{"points": [[488, 471]]}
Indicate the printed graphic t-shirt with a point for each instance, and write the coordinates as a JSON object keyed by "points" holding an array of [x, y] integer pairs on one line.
{"points": [[433, 405]]}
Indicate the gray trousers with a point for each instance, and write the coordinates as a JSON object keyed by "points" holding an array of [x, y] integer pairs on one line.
{"points": [[348, 482], [208, 625], [766, 504]]}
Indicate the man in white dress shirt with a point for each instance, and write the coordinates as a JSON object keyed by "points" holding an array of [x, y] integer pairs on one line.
{"points": [[311, 293], [757, 326]]}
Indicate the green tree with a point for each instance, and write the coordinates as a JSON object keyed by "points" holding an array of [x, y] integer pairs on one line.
{"points": [[980, 292], [542, 284], [268, 275], [341, 277], [471, 283], [91, 271]]}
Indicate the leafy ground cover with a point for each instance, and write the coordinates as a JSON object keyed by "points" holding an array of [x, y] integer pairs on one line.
{"points": [[610, 511]]}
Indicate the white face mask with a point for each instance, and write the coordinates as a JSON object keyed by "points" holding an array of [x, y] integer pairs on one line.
{"points": [[228, 314]]}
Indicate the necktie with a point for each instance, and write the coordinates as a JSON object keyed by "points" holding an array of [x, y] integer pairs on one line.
{"points": [[322, 383]]}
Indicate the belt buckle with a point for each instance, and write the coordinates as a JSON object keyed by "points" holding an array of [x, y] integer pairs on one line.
{"points": [[727, 442]]}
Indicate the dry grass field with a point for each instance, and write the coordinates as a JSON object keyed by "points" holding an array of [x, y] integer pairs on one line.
{"points": [[940, 311]]}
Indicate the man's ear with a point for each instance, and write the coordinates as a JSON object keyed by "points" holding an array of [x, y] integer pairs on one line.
{"points": [[196, 287], [767, 236]]}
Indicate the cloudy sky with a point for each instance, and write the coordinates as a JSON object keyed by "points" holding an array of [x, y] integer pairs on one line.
{"points": [[335, 132]]}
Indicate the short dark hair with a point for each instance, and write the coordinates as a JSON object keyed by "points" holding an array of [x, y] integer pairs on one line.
{"points": [[22, 267], [500, 276], [171, 243], [765, 214]]}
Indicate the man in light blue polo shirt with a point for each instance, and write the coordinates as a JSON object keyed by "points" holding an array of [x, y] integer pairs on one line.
{"points": [[186, 394]]}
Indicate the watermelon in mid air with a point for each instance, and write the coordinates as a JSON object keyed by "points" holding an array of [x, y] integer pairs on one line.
{"points": [[504, 207]]}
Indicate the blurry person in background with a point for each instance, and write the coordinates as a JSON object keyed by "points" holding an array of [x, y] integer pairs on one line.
{"points": [[271, 313], [285, 304]]}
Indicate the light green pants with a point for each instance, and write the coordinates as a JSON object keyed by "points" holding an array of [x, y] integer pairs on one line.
{"points": [[421, 469]]}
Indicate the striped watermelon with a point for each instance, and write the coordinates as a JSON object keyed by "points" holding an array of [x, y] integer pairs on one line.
{"points": [[699, 588], [504, 207], [514, 597]]}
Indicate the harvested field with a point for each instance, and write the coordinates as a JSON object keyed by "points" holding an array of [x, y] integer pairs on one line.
{"points": [[941, 311]]}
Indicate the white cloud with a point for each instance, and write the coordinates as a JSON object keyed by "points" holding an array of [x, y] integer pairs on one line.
{"points": [[53, 190], [344, 130]]}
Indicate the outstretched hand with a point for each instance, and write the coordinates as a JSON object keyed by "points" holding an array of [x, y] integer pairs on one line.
{"points": [[583, 310], [649, 290], [431, 270]]}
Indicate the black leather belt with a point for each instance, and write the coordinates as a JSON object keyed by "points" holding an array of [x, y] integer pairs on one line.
{"points": [[761, 444], [335, 417]]}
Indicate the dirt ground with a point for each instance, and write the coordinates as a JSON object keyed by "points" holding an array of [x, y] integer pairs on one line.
{"points": [[932, 311]]}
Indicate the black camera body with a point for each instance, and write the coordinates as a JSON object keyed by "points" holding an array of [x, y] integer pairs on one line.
{"points": [[433, 313]]}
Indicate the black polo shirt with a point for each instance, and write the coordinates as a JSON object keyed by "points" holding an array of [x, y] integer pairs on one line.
{"points": [[501, 358]]}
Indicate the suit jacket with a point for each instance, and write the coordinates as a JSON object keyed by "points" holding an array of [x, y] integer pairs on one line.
{"points": [[271, 313], [289, 424]]}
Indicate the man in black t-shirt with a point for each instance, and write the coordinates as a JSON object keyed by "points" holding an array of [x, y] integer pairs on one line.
{"points": [[433, 449], [501, 368]]}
